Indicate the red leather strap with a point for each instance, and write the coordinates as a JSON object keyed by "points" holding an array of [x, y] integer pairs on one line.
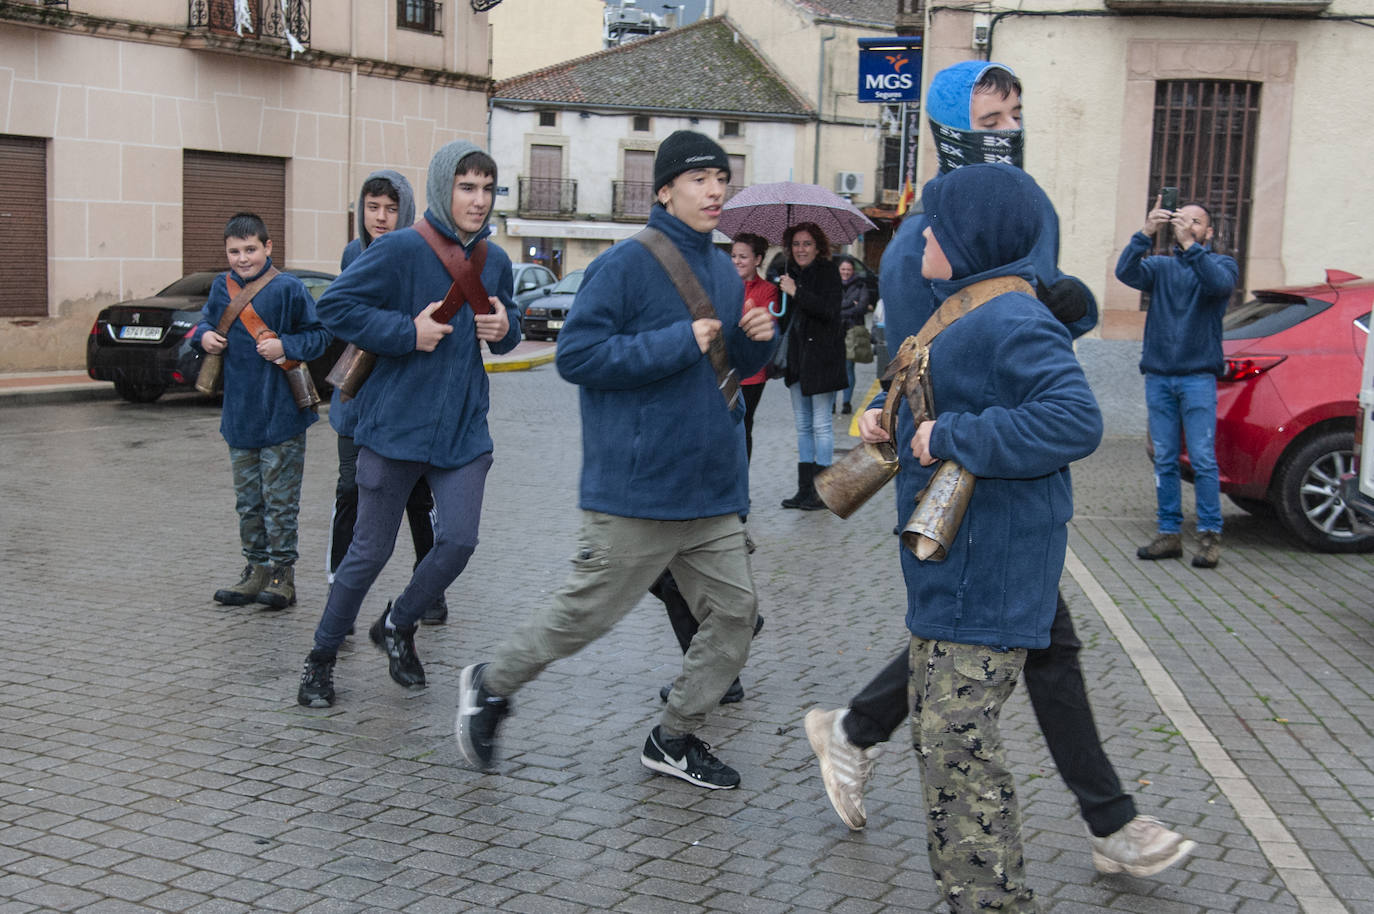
{"points": [[465, 270]]}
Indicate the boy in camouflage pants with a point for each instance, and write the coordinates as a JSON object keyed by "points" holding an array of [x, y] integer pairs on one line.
{"points": [[1013, 408]]}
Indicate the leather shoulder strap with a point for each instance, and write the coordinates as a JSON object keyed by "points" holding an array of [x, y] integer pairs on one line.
{"points": [[241, 298], [968, 298], [465, 270], [697, 302]]}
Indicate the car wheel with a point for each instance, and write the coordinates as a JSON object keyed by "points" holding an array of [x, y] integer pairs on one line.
{"points": [[139, 393], [1308, 495], [1256, 506]]}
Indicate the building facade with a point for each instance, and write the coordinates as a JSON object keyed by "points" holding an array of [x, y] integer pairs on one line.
{"points": [[575, 142], [1242, 105], [138, 126]]}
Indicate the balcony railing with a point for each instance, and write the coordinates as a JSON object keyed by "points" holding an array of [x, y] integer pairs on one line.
{"points": [[547, 197], [267, 20], [631, 200]]}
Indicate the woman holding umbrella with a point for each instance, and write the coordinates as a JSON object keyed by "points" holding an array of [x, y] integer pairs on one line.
{"points": [[815, 353]]}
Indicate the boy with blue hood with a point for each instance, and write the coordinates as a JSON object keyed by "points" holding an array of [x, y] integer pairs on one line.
{"points": [[1012, 407], [974, 109], [665, 478], [385, 203], [423, 410]]}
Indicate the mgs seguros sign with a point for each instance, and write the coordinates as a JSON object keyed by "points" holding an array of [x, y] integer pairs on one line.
{"points": [[890, 69]]}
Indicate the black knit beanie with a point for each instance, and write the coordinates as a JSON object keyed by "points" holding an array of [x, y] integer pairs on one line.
{"points": [[684, 150]]}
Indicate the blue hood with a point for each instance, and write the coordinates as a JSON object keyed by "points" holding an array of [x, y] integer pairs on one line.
{"points": [[987, 220]]}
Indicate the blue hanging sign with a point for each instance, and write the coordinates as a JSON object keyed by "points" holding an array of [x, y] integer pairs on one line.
{"points": [[890, 69]]}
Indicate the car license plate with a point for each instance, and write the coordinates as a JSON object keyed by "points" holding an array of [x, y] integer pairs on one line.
{"points": [[140, 333], [555, 325]]}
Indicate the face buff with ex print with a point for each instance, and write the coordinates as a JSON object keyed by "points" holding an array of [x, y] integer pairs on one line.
{"points": [[956, 142]]}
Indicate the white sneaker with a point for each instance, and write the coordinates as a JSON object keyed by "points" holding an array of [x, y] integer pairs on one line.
{"points": [[845, 768], [1144, 846]]}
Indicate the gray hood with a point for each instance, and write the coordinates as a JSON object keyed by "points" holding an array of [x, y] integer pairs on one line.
{"points": [[439, 187], [405, 212]]}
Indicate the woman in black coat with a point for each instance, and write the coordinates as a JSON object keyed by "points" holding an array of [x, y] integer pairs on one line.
{"points": [[815, 354]]}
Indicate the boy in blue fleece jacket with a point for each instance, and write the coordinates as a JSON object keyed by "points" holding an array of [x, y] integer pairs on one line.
{"points": [[1181, 361], [975, 109], [1012, 407], [260, 420], [664, 472], [421, 413]]}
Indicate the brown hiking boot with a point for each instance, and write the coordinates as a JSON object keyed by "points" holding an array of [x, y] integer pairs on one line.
{"points": [[280, 590], [1209, 550], [1164, 546], [246, 590]]}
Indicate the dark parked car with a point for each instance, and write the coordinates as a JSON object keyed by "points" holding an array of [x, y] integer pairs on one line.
{"points": [[531, 279], [545, 315], [141, 344], [1286, 407]]}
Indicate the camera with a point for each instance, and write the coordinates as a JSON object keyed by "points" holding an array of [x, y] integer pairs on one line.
{"points": [[1168, 198]]}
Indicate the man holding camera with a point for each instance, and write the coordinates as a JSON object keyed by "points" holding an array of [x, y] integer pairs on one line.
{"points": [[1181, 361]]}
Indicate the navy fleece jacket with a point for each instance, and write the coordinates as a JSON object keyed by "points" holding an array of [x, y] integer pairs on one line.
{"points": [[259, 410], [657, 439], [427, 407], [1188, 297], [1012, 407]]}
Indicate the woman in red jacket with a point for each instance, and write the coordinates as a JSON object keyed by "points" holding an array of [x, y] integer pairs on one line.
{"points": [[747, 254]]}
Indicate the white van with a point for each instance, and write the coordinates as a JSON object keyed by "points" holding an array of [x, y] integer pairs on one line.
{"points": [[1357, 489]]}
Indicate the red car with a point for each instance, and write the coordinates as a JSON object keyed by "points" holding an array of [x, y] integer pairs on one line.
{"points": [[1286, 407]]}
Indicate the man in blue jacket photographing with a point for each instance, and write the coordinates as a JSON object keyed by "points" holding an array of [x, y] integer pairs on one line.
{"points": [[664, 472], [1181, 360]]}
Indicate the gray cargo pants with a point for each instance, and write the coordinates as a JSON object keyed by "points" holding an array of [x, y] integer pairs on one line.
{"points": [[617, 559]]}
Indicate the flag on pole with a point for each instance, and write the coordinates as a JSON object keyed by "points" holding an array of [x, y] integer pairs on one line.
{"points": [[906, 199]]}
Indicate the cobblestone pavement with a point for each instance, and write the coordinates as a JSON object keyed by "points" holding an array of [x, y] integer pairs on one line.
{"points": [[153, 758]]}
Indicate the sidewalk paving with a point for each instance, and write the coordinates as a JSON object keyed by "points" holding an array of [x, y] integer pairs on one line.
{"points": [[68, 386]]}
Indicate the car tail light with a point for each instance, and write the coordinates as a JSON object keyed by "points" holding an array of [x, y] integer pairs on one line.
{"points": [[178, 377], [95, 327], [1245, 367]]}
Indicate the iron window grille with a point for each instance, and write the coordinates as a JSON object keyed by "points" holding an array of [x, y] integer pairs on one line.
{"points": [[1204, 144]]}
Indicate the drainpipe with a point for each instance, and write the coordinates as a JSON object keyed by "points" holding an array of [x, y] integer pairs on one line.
{"points": [[820, 110], [352, 101]]}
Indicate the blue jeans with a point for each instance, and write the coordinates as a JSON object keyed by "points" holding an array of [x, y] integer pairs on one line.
{"points": [[849, 373], [815, 426], [1187, 403]]}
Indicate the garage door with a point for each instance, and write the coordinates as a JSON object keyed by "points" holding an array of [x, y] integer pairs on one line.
{"points": [[217, 185], [24, 227]]}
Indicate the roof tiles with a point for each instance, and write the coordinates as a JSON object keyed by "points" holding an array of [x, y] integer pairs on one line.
{"points": [[706, 66]]}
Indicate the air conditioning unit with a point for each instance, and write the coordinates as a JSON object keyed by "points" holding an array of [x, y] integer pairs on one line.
{"points": [[849, 182]]}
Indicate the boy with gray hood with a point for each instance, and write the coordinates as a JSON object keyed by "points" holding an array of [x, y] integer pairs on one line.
{"points": [[423, 410]]}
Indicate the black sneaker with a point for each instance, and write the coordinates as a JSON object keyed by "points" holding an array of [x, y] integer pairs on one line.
{"points": [[479, 714], [733, 695], [437, 613], [317, 681], [399, 646], [687, 758]]}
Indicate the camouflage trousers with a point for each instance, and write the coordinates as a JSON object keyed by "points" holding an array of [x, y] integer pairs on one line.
{"points": [[973, 820], [267, 496]]}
